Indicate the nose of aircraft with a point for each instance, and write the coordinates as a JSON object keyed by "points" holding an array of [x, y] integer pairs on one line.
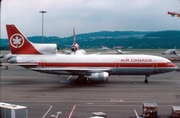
{"points": [[174, 66]]}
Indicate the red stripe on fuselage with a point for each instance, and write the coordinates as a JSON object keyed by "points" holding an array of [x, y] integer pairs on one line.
{"points": [[57, 64]]}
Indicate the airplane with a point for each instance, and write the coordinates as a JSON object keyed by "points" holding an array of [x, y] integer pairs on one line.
{"points": [[118, 51], [122, 52], [173, 14], [103, 48], [170, 52], [52, 49], [4, 58], [75, 47], [1, 58], [96, 68]]}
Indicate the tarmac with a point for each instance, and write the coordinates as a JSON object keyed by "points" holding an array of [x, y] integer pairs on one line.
{"points": [[118, 98]]}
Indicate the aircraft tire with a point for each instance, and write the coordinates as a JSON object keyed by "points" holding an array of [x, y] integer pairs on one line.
{"points": [[146, 81]]}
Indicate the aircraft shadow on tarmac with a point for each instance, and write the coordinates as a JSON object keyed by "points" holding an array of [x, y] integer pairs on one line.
{"points": [[49, 84]]}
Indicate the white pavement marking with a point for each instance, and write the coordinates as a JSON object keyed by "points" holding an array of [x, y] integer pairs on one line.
{"points": [[47, 111]]}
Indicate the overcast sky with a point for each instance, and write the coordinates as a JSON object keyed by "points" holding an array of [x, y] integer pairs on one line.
{"points": [[88, 16]]}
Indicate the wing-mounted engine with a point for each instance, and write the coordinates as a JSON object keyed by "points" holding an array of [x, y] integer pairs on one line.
{"points": [[46, 48], [99, 77]]}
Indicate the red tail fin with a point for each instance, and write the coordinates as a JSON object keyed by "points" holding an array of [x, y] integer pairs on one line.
{"points": [[18, 43]]}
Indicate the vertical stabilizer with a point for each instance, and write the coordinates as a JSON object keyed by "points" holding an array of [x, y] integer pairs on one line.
{"points": [[75, 46], [18, 43]]}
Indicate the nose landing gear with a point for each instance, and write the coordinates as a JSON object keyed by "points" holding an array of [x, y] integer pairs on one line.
{"points": [[146, 79]]}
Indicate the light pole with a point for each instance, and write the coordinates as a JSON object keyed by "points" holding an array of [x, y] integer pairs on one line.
{"points": [[42, 23]]}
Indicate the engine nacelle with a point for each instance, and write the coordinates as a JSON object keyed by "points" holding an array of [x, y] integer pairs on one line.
{"points": [[74, 47], [99, 77], [12, 59], [46, 48]]}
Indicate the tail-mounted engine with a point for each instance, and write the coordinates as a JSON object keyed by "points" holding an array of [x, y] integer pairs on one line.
{"points": [[46, 48], [12, 59], [74, 47]]}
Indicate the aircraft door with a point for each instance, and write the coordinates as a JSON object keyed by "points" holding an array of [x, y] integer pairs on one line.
{"points": [[117, 63], [155, 65], [42, 63]]}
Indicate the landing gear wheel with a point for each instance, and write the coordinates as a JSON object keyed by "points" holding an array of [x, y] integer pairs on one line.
{"points": [[78, 80], [84, 80], [145, 81], [81, 80]]}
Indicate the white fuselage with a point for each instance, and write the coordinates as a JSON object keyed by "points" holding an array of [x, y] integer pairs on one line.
{"points": [[114, 64]]}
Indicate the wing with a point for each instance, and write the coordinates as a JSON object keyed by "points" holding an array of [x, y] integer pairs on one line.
{"points": [[61, 70], [72, 70]]}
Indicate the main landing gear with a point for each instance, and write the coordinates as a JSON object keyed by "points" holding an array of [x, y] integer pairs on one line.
{"points": [[146, 79], [81, 80]]}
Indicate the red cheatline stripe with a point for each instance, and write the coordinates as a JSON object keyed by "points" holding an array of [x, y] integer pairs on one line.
{"points": [[57, 64], [70, 115]]}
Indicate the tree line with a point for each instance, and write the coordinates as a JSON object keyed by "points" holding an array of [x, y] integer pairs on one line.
{"points": [[127, 39]]}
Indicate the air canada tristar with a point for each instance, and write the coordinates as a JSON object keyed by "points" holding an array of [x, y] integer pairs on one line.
{"points": [[44, 58]]}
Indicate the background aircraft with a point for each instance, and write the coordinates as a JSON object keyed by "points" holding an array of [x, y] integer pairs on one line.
{"points": [[103, 48], [118, 51], [173, 14], [122, 52], [4, 58], [74, 50], [96, 68], [170, 52], [1, 58]]}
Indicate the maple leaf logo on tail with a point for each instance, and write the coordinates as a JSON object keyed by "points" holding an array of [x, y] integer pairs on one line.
{"points": [[17, 40]]}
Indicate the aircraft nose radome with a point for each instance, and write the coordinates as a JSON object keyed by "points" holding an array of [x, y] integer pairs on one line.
{"points": [[174, 66]]}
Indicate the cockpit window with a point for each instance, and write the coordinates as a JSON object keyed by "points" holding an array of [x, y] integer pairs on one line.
{"points": [[169, 63]]}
